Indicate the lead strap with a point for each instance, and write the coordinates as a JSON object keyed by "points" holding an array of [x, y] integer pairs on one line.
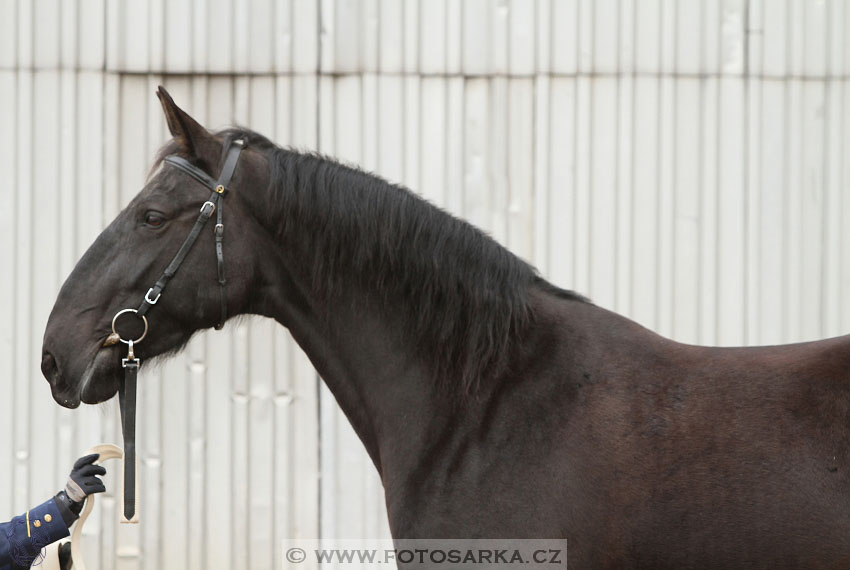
{"points": [[127, 401]]}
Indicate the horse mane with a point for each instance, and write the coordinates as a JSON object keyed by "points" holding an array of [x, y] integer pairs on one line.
{"points": [[464, 296]]}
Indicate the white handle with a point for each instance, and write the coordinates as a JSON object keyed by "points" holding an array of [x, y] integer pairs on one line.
{"points": [[105, 451]]}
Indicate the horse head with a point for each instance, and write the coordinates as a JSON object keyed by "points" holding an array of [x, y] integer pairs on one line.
{"points": [[81, 358]]}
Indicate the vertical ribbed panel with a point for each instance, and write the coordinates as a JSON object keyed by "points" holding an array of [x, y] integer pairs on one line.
{"points": [[683, 163]]}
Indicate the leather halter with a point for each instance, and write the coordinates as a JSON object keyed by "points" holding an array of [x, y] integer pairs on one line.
{"points": [[127, 389]]}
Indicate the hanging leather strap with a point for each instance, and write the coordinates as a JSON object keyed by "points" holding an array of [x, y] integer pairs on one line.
{"points": [[127, 401]]}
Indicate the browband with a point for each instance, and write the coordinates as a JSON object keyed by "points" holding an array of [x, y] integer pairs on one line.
{"points": [[192, 170], [226, 170]]}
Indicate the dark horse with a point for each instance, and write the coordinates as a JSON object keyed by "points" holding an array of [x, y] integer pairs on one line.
{"points": [[493, 403]]}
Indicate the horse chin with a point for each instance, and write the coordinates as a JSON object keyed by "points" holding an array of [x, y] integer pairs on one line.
{"points": [[101, 378]]}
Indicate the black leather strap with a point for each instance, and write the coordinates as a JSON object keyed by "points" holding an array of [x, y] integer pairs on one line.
{"points": [[219, 256], [223, 183], [230, 164], [127, 400], [227, 169], [191, 170]]}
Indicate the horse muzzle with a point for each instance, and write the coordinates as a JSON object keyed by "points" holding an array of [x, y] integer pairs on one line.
{"points": [[64, 394]]}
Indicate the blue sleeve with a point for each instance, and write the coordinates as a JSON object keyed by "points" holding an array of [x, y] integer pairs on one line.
{"points": [[23, 537]]}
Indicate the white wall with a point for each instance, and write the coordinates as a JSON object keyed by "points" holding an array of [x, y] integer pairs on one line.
{"points": [[684, 163]]}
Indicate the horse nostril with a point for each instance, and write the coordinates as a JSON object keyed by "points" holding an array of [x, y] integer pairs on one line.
{"points": [[49, 368]]}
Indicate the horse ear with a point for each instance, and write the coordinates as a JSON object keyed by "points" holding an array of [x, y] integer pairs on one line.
{"points": [[195, 139]]}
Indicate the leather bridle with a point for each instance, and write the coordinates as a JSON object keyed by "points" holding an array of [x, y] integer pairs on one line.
{"points": [[127, 389]]}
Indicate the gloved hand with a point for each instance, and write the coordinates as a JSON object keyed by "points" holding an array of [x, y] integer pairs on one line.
{"points": [[83, 480]]}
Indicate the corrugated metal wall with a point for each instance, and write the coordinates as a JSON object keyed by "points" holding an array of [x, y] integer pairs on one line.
{"points": [[684, 163]]}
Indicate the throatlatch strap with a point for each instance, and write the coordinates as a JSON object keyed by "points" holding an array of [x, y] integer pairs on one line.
{"points": [[223, 182], [219, 256], [127, 400]]}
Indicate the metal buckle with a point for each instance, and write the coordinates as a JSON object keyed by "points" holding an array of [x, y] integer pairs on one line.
{"points": [[131, 359], [212, 206], [148, 297], [219, 229]]}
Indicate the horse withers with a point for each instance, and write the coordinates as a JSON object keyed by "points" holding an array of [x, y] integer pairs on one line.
{"points": [[493, 403]]}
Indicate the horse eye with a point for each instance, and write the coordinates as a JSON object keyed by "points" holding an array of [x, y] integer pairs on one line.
{"points": [[154, 219]]}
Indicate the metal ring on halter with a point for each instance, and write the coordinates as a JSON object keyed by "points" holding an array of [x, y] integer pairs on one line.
{"points": [[144, 319]]}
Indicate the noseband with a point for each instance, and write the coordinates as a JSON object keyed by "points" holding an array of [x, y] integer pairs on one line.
{"points": [[127, 391]]}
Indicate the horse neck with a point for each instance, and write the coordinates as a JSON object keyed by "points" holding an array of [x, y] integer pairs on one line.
{"points": [[358, 336], [378, 380]]}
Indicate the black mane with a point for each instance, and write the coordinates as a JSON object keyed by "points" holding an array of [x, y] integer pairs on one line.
{"points": [[464, 295]]}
